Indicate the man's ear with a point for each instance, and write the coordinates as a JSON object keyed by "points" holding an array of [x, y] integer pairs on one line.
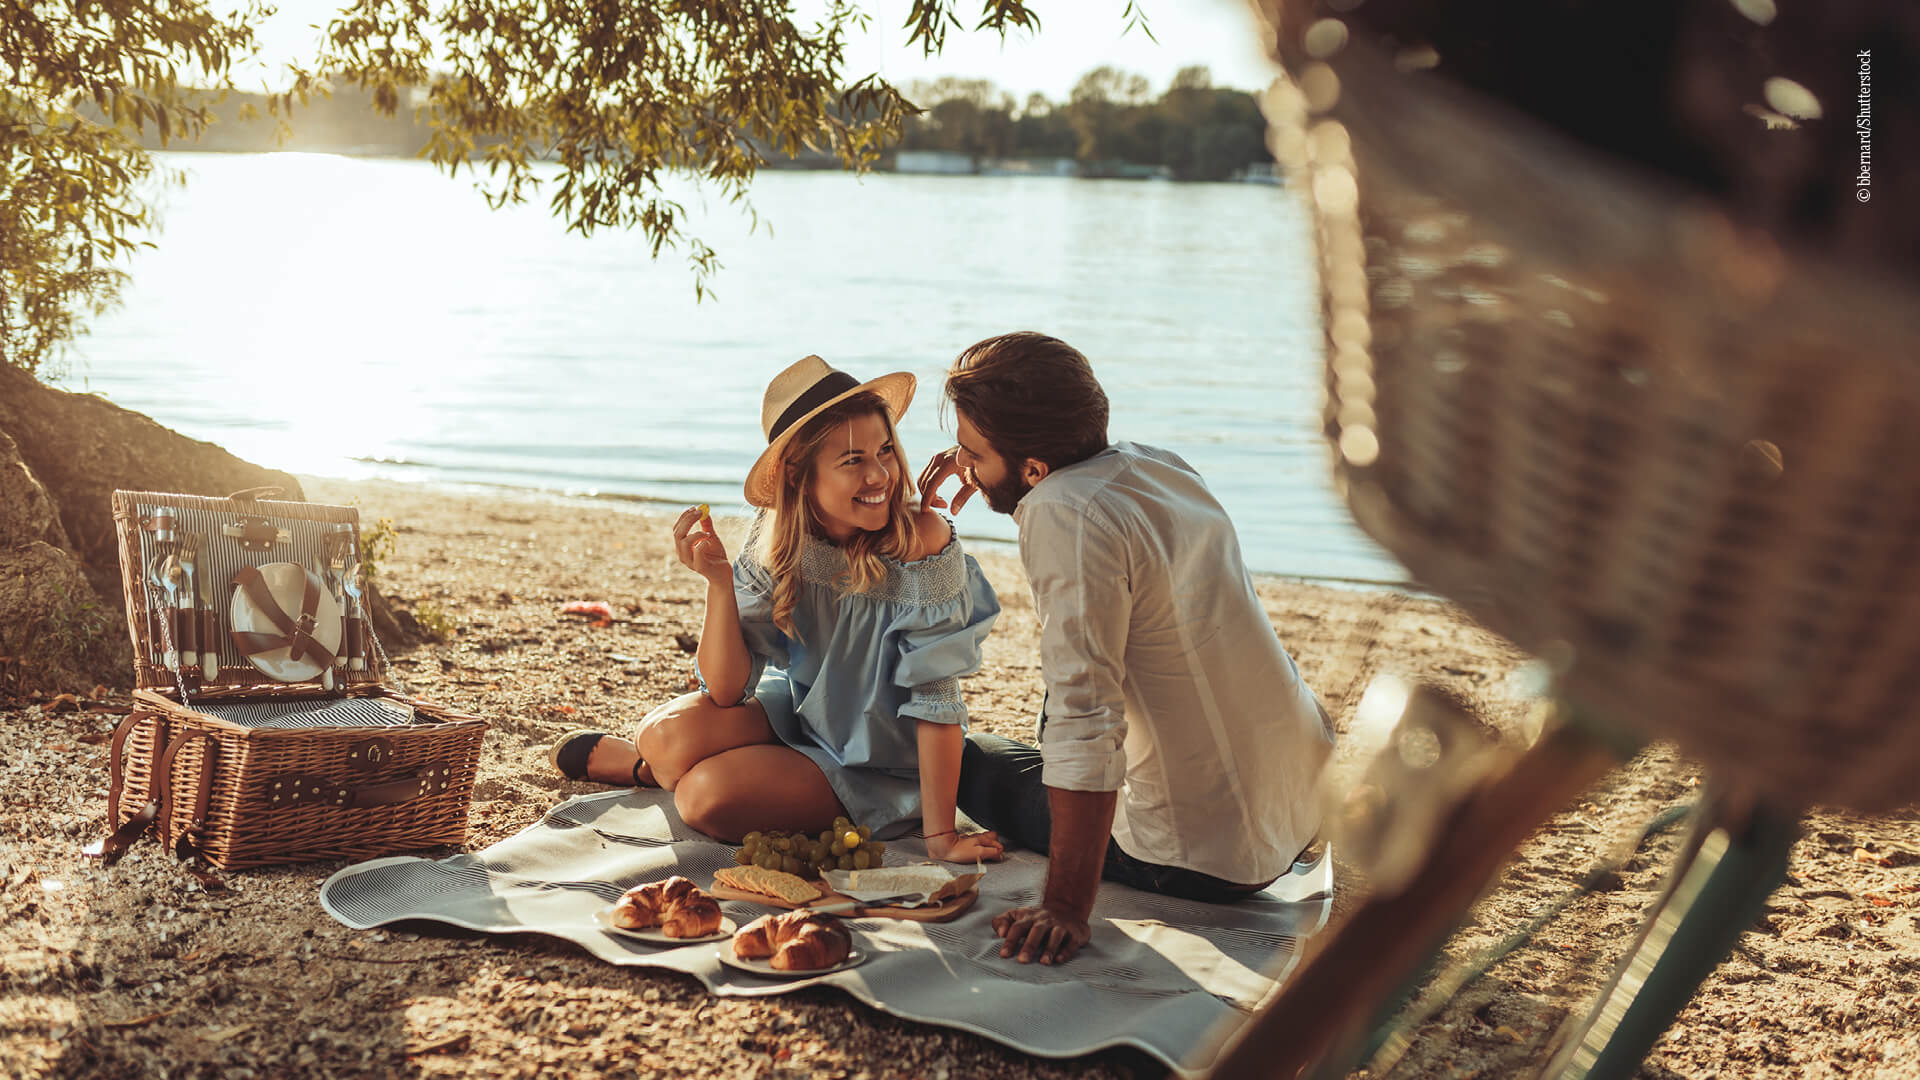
{"points": [[1033, 470]]}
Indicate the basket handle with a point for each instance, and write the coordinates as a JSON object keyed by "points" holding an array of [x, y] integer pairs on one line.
{"points": [[159, 805], [255, 494], [185, 846], [117, 761], [109, 848], [297, 789]]}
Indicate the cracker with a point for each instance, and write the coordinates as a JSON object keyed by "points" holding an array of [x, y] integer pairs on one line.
{"points": [[786, 887]]}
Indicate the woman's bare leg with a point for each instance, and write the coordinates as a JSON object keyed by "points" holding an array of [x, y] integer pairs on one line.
{"points": [[677, 736], [751, 788]]}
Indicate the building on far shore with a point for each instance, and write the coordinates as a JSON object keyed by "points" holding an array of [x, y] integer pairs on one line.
{"points": [[1124, 170], [1044, 166], [939, 162]]}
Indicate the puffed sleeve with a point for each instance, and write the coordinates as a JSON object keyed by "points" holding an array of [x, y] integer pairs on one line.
{"points": [[940, 641], [766, 644]]}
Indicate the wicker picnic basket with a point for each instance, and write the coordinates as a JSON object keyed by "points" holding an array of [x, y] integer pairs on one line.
{"points": [[242, 769], [1674, 456]]}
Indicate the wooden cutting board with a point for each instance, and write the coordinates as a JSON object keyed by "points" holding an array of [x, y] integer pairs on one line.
{"points": [[950, 908]]}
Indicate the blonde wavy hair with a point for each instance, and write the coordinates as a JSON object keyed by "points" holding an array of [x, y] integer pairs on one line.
{"points": [[779, 536]]}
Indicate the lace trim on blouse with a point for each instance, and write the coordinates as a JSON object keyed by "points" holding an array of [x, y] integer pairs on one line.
{"points": [[939, 692], [936, 579]]}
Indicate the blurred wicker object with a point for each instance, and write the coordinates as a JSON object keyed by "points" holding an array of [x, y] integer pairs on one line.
{"points": [[1676, 453]]}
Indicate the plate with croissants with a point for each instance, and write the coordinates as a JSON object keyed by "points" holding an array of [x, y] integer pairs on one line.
{"points": [[793, 943], [670, 912]]}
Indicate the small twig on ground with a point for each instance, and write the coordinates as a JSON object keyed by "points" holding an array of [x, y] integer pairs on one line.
{"points": [[452, 1045], [141, 1021], [384, 960]]}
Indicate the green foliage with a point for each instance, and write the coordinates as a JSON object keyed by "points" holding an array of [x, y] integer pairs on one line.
{"points": [[1197, 130], [618, 94], [376, 545], [434, 621], [75, 80]]}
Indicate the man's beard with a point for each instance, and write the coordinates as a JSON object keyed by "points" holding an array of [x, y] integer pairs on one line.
{"points": [[1004, 496]]}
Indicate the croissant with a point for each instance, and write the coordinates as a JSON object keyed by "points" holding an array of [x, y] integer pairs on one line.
{"points": [[796, 941], [675, 905], [696, 916]]}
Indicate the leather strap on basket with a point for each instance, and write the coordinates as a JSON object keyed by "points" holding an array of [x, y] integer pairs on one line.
{"points": [[203, 790], [305, 789], [109, 848], [186, 845], [158, 811], [295, 637]]}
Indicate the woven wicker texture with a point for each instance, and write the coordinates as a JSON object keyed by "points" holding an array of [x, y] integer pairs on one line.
{"points": [[297, 775], [1675, 457], [250, 822]]}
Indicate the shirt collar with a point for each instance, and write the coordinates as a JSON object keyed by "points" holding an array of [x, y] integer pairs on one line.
{"points": [[1058, 474]]}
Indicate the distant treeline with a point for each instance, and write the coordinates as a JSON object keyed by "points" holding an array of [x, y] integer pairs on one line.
{"points": [[1195, 130]]}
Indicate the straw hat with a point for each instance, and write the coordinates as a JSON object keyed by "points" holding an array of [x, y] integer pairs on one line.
{"points": [[796, 396]]}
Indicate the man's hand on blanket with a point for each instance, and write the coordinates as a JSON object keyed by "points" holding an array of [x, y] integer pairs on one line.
{"points": [[971, 847], [1043, 933]]}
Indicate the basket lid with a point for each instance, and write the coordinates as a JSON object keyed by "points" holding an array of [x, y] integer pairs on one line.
{"points": [[242, 591]]}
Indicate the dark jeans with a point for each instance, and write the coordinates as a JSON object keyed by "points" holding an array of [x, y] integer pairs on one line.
{"points": [[1000, 788]]}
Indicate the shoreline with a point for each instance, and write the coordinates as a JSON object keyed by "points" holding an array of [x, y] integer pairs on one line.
{"points": [[655, 504]]}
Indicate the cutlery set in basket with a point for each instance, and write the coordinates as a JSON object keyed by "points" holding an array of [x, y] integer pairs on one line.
{"points": [[263, 730]]}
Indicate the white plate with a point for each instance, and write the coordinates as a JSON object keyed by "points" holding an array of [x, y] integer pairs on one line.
{"points": [[654, 935], [763, 967], [287, 582]]}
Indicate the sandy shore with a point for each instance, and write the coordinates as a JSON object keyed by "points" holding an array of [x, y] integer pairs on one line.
{"points": [[134, 971]]}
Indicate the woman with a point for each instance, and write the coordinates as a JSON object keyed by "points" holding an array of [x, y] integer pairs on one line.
{"points": [[830, 661]]}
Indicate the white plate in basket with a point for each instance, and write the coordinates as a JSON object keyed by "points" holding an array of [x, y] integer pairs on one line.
{"points": [[287, 582]]}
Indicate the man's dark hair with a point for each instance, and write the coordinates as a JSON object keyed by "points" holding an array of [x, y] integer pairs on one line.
{"points": [[1031, 396]]}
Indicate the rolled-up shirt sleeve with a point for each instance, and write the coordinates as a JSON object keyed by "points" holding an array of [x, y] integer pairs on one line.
{"points": [[1078, 571]]}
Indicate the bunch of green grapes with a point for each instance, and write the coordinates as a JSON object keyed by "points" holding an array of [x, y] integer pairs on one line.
{"points": [[846, 846]]}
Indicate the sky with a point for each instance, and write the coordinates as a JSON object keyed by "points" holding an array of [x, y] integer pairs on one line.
{"points": [[1075, 37]]}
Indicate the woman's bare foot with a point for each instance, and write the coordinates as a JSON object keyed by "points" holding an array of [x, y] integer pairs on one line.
{"points": [[612, 762]]}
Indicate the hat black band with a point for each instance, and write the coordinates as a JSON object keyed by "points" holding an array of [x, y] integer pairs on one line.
{"points": [[830, 386]]}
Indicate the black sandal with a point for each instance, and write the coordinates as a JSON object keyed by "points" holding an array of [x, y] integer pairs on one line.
{"points": [[571, 753]]}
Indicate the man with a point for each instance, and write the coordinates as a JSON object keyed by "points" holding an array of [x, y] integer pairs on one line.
{"points": [[1179, 748]]}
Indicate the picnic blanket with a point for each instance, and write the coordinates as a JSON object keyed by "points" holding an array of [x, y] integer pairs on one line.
{"points": [[1159, 974]]}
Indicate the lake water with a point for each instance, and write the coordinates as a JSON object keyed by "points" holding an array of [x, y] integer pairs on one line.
{"points": [[358, 318]]}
